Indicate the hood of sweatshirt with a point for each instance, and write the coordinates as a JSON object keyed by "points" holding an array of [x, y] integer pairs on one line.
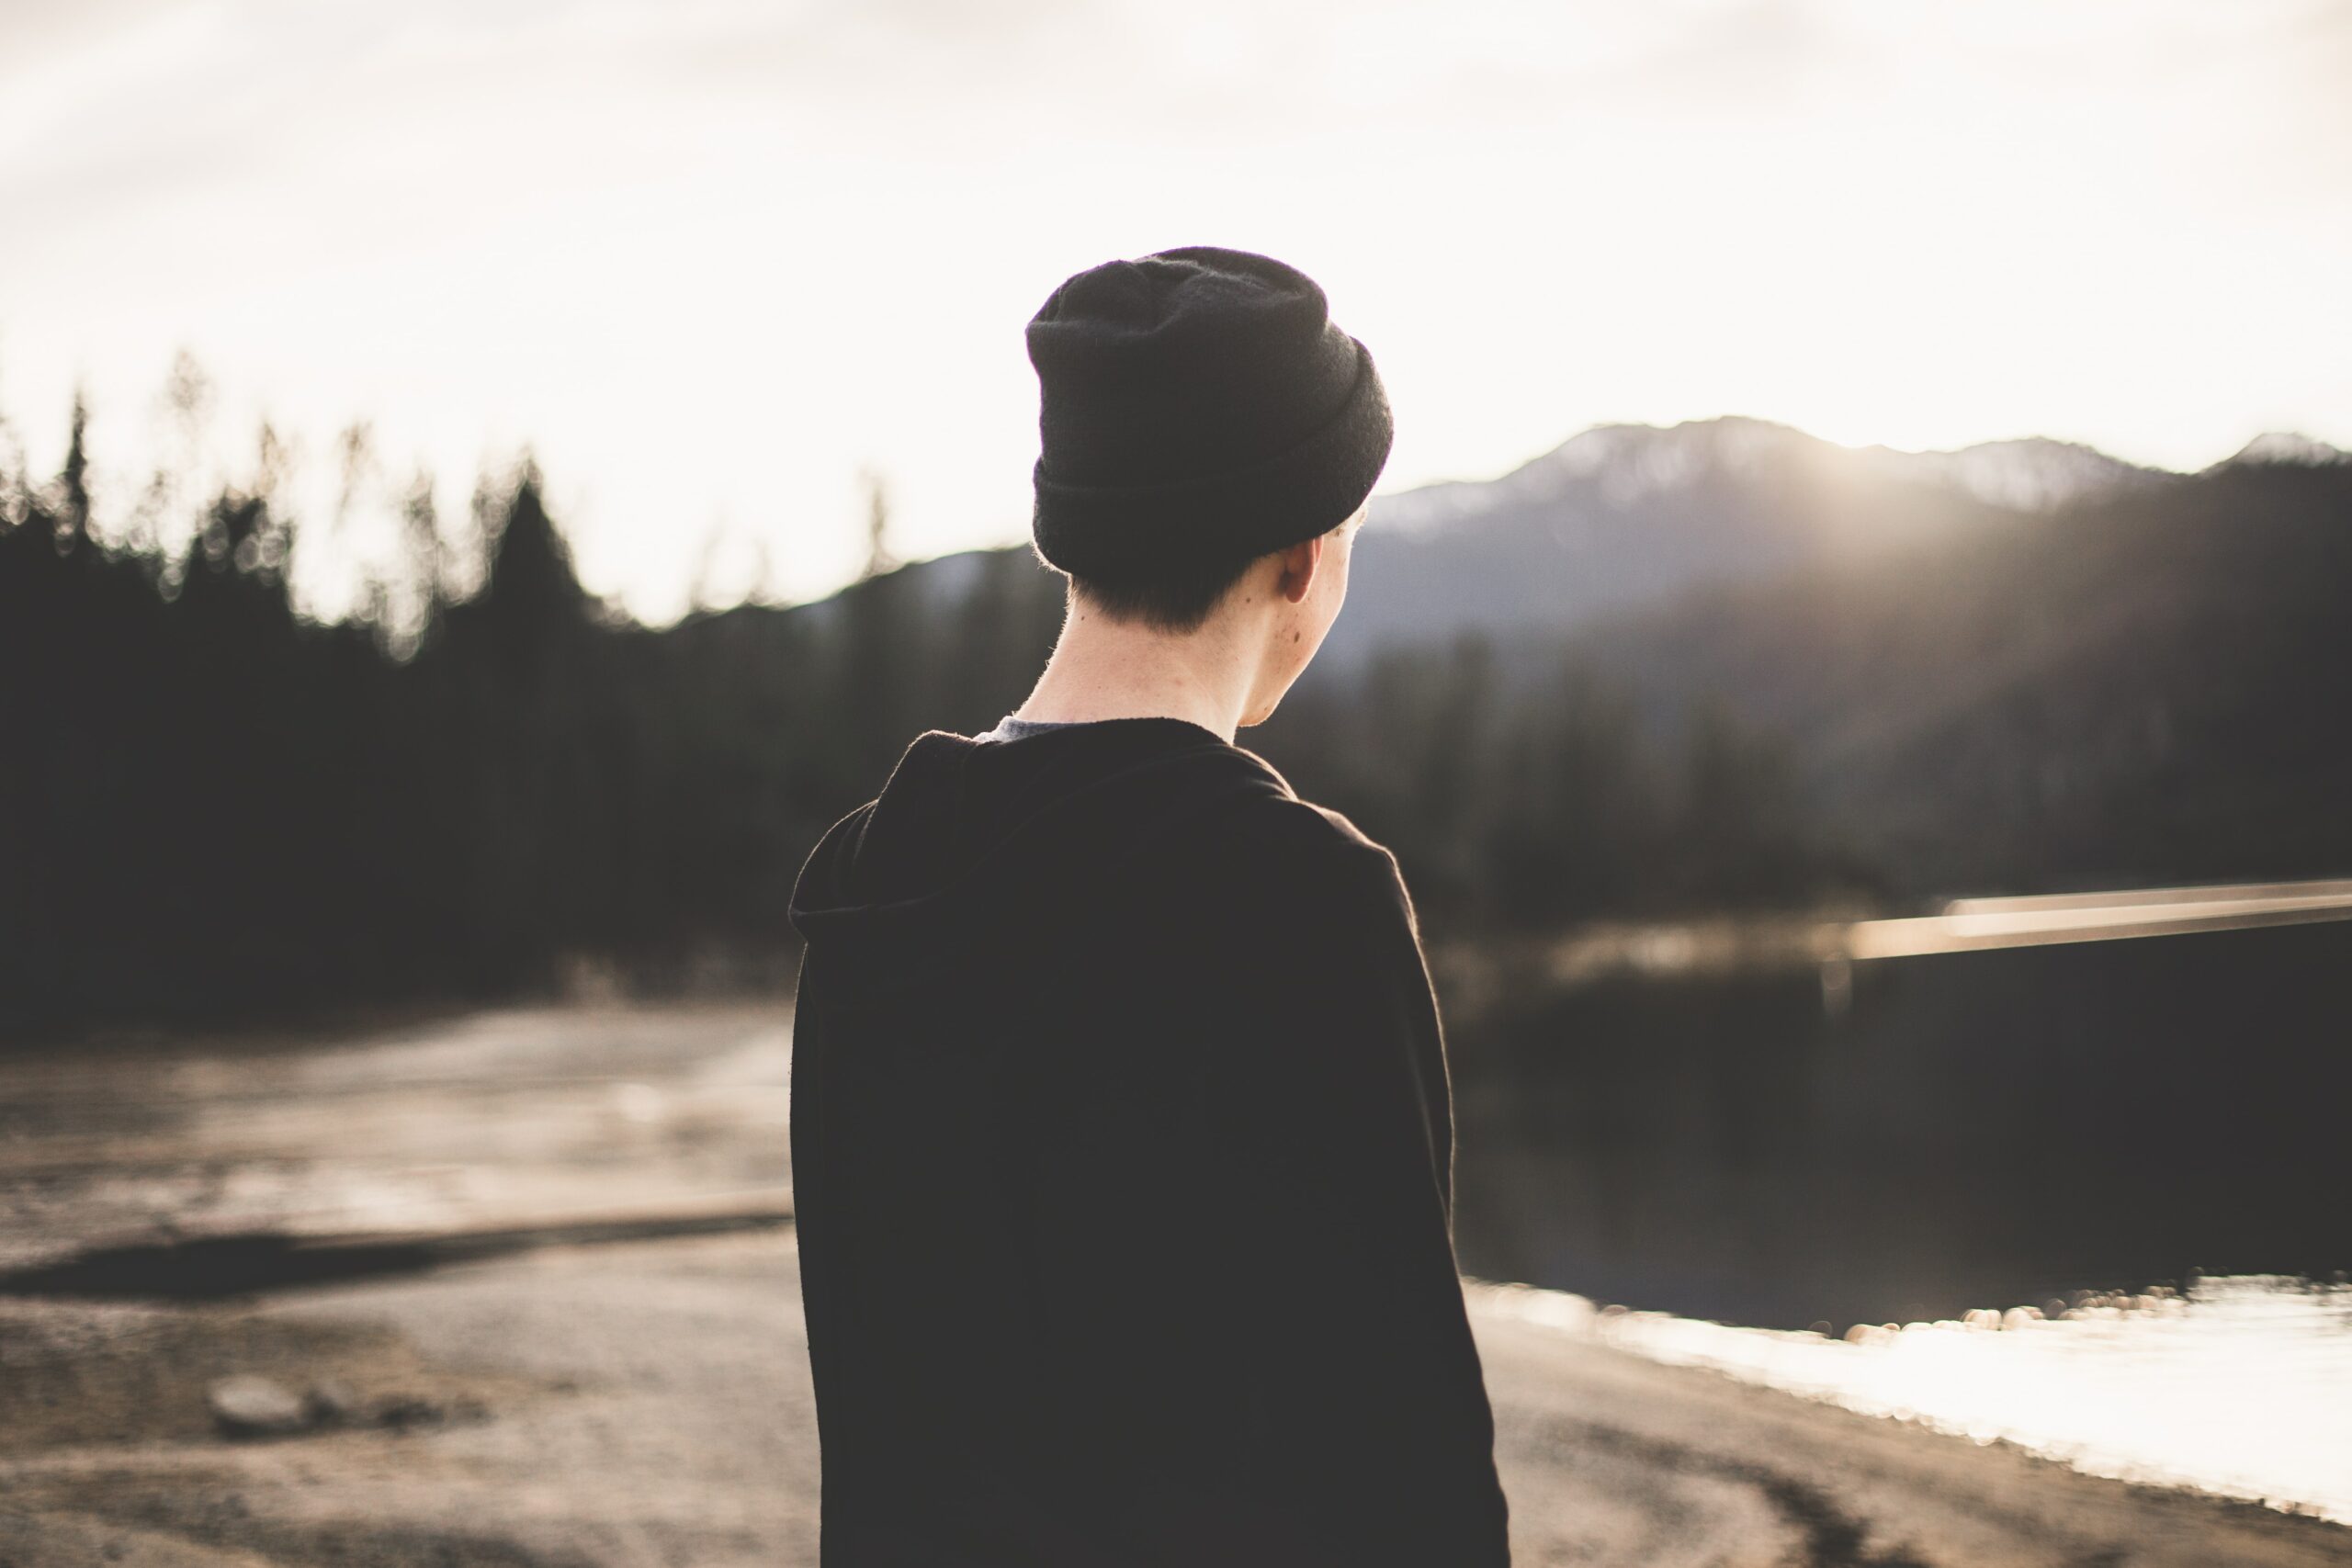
{"points": [[978, 847]]}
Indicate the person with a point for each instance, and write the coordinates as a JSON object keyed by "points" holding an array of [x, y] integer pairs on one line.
{"points": [[1121, 1131]]}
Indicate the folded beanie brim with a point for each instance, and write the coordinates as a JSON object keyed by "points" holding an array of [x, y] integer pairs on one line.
{"points": [[1122, 533]]}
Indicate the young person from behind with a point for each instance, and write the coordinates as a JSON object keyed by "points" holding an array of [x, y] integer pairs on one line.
{"points": [[1122, 1136]]}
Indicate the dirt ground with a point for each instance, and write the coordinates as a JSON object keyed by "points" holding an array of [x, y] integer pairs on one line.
{"points": [[646, 1402]]}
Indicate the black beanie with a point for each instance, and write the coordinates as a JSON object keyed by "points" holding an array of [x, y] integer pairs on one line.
{"points": [[1197, 407]]}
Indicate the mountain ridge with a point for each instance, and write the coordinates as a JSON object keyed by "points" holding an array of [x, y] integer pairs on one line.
{"points": [[1624, 515]]}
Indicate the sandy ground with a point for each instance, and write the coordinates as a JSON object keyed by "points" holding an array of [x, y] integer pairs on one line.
{"points": [[646, 1402]]}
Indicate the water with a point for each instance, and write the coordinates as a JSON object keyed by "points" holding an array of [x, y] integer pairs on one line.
{"points": [[2144, 1141], [2241, 1386]]}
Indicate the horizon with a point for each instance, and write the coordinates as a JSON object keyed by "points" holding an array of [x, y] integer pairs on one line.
{"points": [[2274, 445]]}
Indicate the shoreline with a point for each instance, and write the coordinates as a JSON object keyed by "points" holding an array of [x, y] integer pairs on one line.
{"points": [[1853, 1374], [600, 1404], [534, 1270]]}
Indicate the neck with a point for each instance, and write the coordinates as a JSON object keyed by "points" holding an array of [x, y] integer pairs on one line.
{"points": [[1106, 669]]}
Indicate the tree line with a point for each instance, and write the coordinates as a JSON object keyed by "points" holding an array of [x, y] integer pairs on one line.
{"points": [[486, 783]]}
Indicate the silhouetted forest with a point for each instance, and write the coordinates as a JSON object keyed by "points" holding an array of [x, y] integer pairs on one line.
{"points": [[2144, 687], [216, 807]]}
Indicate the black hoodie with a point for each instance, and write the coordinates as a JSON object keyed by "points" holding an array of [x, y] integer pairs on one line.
{"points": [[1122, 1156]]}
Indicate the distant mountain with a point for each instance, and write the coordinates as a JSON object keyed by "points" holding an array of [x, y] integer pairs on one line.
{"points": [[2287, 447], [1626, 515], [2155, 683], [2032, 474], [1728, 662]]}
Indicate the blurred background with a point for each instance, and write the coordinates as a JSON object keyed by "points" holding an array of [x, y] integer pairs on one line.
{"points": [[1849, 652]]}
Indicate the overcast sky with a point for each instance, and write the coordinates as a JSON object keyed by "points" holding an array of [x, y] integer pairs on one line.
{"points": [[710, 258]]}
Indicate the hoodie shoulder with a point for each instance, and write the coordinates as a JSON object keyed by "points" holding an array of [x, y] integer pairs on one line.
{"points": [[1303, 828], [1342, 827], [1384, 867], [1301, 845]]}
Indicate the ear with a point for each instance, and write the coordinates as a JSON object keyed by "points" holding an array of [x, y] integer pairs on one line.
{"points": [[1299, 563]]}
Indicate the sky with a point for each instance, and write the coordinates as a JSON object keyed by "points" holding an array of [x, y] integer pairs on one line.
{"points": [[714, 262]]}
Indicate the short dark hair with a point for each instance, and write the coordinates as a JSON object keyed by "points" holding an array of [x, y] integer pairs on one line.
{"points": [[1176, 598]]}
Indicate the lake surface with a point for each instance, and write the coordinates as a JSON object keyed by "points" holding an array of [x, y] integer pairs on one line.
{"points": [[2107, 1185], [2241, 1386], [1966, 1130]]}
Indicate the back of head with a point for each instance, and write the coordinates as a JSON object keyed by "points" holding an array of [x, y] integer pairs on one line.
{"points": [[1198, 409]]}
